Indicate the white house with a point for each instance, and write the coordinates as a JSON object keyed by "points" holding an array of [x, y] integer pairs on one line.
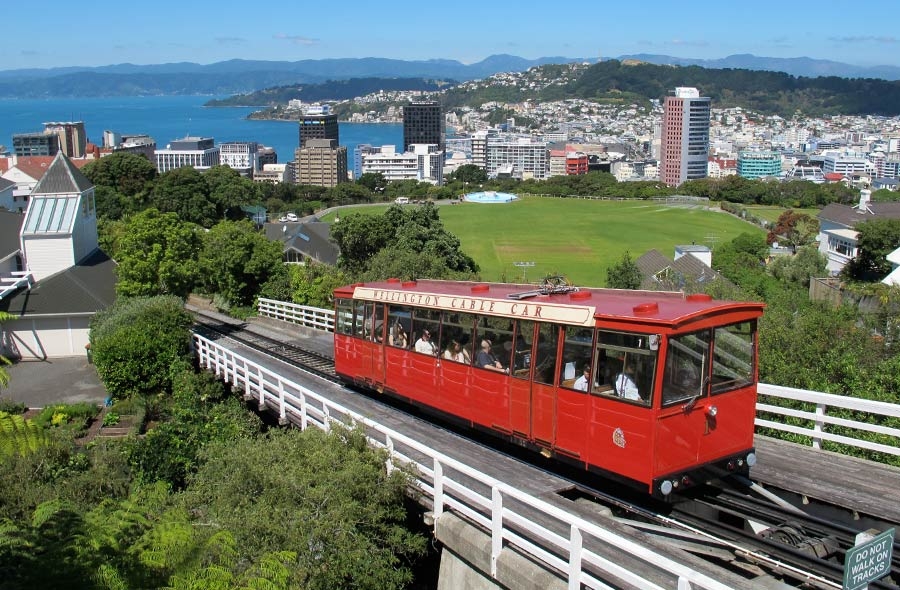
{"points": [[55, 275], [837, 228]]}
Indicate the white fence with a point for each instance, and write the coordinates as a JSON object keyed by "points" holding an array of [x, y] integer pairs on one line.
{"points": [[563, 544], [821, 420], [303, 315]]}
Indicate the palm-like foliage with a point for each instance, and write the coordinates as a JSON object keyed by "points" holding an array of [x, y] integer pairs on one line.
{"points": [[19, 436]]}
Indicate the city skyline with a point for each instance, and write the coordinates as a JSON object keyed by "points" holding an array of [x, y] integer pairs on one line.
{"points": [[465, 31]]}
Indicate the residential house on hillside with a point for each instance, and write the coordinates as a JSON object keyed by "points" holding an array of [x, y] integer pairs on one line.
{"points": [[304, 240], [837, 228], [687, 272], [25, 172], [61, 277]]}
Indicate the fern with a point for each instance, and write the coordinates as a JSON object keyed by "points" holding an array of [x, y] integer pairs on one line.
{"points": [[20, 436]]}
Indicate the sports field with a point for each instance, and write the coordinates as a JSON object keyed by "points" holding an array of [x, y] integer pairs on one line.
{"points": [[575, 237]]}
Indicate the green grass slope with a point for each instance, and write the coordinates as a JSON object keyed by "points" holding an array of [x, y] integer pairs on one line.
{"points": [[575, 237]]}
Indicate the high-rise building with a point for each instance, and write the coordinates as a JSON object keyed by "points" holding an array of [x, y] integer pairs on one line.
{"points": [[423, 162], [35, 144], [321, 162], [72, 138], [359, 151], [684, 141], [197, 152], [240, 155], [423, 122], [758, 163], [318, 122], [516, 156]]}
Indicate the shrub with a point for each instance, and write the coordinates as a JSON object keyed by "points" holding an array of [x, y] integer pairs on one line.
{"points": [[137, 341], [12, 407], [74, 417]]}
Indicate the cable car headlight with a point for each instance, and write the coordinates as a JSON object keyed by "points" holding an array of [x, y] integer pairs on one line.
{"points": [[711, 411], [665, 487], [751, 459]]}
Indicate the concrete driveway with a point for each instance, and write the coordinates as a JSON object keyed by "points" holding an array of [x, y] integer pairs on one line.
{"points": [[59, 380]]}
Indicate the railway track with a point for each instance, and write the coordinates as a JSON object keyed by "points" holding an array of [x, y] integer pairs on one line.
{"points": [[733, 528]]}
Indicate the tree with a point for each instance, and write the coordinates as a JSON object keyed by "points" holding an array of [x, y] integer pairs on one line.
{"points": [[359, 237], [313, 283], [793, 229], [184, 191], [228, 190], [374, 181], [469, 173], [325, 496], [236, 260], [137, 342], [625, 274], [127, 173], [157, 255], [877, 239], [806, 264]]}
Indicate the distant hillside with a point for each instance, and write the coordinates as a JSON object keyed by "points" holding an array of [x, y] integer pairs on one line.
{"points": [[330, 90], [247, 76], [241, 76], [765, 92], [797, 66]]}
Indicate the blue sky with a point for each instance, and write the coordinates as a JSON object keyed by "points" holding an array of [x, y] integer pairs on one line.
{"points": [[53, 33]]}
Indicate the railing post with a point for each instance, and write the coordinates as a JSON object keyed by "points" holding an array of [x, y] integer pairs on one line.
{"points": [[303, 419], [389, 445], [575, 549], [496, 528], [819, 426], [438, 485], [684, 583]]}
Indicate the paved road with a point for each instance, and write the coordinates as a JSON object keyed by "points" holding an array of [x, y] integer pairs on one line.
{"points": [[59, 380]]}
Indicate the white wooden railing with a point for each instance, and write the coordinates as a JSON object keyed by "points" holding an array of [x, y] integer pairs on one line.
{"points": [[303, 315], [323, 319], [821, 420], [564, 544]]}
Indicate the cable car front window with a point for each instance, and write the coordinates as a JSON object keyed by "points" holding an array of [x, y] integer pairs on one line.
{"points": [[687, 366], [734, 357]]}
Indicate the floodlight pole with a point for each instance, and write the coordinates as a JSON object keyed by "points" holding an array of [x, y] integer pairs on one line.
{"points": [[523, 266]]}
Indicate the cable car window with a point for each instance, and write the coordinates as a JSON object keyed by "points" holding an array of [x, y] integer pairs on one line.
{"points": [[399, 326], [359, 318], [426, 330], [734, 357], [456, 337], [369, 321], [576, 360], [687, 366], [343, 316], [493, 340], [626, 365], [378, 333], [545, 354], [521, 366]]}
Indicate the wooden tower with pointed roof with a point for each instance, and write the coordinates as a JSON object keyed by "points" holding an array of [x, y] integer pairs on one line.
{"points": [[60, 227]]}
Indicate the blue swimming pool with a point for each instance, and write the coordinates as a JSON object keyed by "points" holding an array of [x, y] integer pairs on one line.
{"points": [[490, 197]]}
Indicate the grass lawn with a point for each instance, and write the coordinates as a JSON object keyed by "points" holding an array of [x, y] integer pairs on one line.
{"points": [[575, 237]]}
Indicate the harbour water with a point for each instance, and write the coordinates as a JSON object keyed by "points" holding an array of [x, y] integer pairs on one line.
{"points": [[166, 118]]}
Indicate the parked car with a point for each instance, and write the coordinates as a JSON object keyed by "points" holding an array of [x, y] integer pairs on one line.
{"points": [[402, 200], [292, 217], [282, 219]]}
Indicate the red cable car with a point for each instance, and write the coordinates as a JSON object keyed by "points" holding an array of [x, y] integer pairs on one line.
{"points": [[655, 389]]}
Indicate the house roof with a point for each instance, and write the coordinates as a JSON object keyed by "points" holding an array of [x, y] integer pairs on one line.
{"points": [[10, 224], [834, 176], [33, 166], [62, 177], [87, 287], [850, 216], [5, 184], [656, 268], [312, 239]]}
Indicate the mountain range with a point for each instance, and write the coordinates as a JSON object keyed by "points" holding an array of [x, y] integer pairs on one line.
{"points": [[238, 76]]}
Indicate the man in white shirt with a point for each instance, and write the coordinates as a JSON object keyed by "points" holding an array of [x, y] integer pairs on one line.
{"points": [[425, 345], [625, 385], [581, 384]]}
